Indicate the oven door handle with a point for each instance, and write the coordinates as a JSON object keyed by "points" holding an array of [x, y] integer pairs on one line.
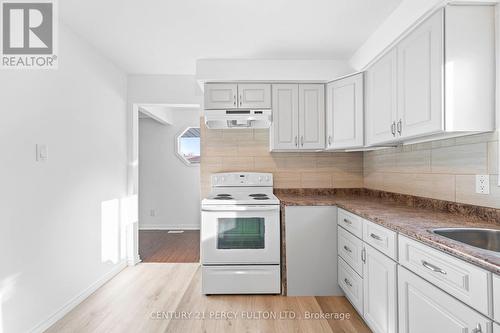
{"points": [[240, 208]]}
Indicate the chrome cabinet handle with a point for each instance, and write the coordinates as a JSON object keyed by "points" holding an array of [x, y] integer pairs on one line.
{"points": [[347, 248], [329, 140], [241, 100], [377, 237], [347, 221], [302, 141], [432, 267], [393, 128], [296, 142], [400, 126], [234, 100], [477, 329], [363, 255], [347, 282]]}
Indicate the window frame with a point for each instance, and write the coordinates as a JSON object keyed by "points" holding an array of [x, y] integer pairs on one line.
{"points": [[177, 143]]}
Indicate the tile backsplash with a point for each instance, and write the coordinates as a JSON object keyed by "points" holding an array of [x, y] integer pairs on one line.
{"points": [[443, 169], [248, 150]]}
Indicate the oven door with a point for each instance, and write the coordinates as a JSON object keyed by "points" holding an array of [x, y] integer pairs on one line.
{"points": [[240, 235]]}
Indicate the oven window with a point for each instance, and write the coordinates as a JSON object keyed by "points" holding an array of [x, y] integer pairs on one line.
{"points": [[240, 233]]}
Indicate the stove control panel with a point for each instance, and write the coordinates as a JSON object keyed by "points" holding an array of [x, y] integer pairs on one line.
{"points": [[237, 179]]}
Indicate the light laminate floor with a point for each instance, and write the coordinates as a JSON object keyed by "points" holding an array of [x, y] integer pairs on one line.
{"points": [[145, 297]]}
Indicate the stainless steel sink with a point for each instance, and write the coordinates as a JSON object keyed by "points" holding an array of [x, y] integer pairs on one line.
{"points": [[487, 239]]}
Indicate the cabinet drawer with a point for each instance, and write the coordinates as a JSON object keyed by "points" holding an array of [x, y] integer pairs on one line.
{"points": [[241, 279], [351, 222], [352, 284], [462, 280], [496, 298], [350, 248], [380, 238]]}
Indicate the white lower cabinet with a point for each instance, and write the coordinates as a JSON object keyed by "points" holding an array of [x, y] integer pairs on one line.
{"points": [[496, 298], [426, 290], [425, 308], [379, 292]]}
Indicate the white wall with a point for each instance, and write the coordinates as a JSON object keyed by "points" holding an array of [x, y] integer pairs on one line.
{"points": [[166, 184], [55, 240]]}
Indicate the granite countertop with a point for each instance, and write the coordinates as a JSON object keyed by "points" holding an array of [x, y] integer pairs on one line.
{"points": [[414, 222]]}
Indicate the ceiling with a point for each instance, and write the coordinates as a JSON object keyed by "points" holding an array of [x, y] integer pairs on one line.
{"points": [[167, 36]]}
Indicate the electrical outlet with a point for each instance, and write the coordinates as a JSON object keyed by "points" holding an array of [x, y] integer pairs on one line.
{"points": [[483, 184], [152, 212]]}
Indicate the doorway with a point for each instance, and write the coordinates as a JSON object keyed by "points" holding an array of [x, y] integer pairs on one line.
{"points": [[168, 184]]}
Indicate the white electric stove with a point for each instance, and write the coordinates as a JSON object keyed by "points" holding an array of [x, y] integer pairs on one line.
{"points": [[240, 235]]}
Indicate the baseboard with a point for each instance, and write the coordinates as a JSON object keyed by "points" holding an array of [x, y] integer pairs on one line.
{"points": [[45, 324], [169, 227]]}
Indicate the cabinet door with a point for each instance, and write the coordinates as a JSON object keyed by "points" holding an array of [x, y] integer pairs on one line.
{"points": [[496, 297], [425, 308], [381, 100], [420, 80], [312, 116], [344, 113], [285, 127], [221, 96], [379, 292], [254, 96]]}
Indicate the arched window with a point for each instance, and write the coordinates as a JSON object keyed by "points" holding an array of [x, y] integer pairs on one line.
{"points": [[188, 146]]}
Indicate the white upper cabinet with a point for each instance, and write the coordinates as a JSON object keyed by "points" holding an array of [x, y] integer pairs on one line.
{"points": [[221, 96], [381, 100], [312, 116], [233, 96], [344, 113], [298, 117], [437, 82], [285, 127], [254, 96], [420, 83]]}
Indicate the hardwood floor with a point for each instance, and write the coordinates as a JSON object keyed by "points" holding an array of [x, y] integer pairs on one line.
{"points": [[160, 246], [154, 298]]}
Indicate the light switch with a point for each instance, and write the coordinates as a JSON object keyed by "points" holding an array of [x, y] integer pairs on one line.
{"points": [[42, 153]]}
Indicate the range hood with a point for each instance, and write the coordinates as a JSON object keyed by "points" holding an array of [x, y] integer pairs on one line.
{"points": [[240, 118]]}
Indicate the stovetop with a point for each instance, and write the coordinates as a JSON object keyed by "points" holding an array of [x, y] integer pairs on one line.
{"points": [[241, 196]]}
